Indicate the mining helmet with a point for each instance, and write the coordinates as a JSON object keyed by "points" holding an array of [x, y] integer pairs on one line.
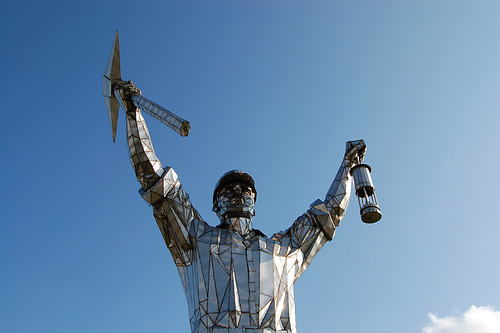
{"points": [[234, 176]]}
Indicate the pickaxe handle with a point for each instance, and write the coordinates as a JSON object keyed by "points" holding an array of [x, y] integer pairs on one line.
{"points": [[181, 126]]}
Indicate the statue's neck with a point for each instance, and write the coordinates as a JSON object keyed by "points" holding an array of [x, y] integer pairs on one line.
{"points": [[241, 225]]}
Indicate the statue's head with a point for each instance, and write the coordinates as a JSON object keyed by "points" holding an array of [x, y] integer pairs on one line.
{"points": [[234, 200]]}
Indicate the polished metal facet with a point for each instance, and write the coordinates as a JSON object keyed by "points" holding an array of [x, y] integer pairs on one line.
{"points": [[236, 279]]}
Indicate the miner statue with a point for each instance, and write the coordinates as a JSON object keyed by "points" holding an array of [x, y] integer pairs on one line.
{"points": [[236, 279]]}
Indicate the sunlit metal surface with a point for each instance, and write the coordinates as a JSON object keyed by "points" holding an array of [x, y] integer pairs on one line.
{"points": [[236, 279]]}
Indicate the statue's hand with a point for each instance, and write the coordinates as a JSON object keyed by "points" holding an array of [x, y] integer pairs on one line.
{"points": [[125, 89], [129, 87], [354, 149]]}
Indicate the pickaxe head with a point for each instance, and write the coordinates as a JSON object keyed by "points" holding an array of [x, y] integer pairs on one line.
{"points": [[110, 77]]}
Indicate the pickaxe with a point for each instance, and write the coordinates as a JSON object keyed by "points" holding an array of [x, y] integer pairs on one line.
{"points": [[112, 90]]}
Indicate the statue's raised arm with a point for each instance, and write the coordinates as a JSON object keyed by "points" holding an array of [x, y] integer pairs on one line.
{"points": [[310, 231], [147, 166], [160, 187], [339, 194]]}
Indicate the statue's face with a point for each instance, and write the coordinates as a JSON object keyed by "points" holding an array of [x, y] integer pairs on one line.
{"points": [[235, 200]]}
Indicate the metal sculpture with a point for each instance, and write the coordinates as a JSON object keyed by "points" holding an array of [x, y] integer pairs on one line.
{"points": [[235, 278]]}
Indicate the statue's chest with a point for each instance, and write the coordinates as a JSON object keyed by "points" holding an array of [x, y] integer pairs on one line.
{"points": [[239, 282], [253, 261]]}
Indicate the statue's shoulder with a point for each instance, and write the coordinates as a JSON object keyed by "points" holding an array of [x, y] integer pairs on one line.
{"points": [[257, 233]]}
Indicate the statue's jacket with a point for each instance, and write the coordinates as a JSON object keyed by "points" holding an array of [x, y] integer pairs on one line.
{"points": [[236, 283]]}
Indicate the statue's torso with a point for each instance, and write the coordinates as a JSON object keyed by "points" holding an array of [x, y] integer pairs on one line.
{"points": [[237, 284]]}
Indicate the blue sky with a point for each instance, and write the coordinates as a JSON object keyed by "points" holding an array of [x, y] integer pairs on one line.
{"points": [[274, 88]]}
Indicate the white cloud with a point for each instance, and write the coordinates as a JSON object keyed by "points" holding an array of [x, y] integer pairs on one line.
{"points": [[483, 319]]}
